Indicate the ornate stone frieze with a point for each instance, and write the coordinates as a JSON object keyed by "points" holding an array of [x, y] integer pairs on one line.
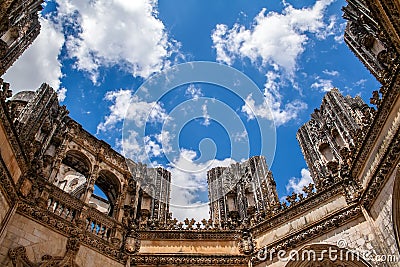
{"points": [[21, 31], [246, 243], [189, 235], [132, 242], [11, 133], [215, 260], [96, 146]]}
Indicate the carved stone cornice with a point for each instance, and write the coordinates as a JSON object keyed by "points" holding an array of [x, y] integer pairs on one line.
{"points": [[299, 208], [364, 149], [177, 259], [13, 137], [189, 235], [382, 173], [6, 184], [316, 229]]}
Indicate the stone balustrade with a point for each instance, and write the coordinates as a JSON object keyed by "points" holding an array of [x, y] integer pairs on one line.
{"points": [[74, 210]]}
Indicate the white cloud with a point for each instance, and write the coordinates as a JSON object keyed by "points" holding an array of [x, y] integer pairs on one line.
{"points": [[194, 92], [360, 83], [164, 138], [297, 184], [324, 85], [240, 137], [128, 106], [189, 178], [273, 38], [206, 116], [331, 72], [339, 37], [224, 52], [272, 107], [152, 148], [123, 33], [130, 147], [39, 63], [61, 93], [158, 144], [121, 100]]}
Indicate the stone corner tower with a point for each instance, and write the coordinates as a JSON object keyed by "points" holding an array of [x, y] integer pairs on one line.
{"points": [[332, 130], [241, 190]]}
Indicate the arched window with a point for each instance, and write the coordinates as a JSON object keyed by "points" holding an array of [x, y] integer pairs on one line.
{"points": [[73, 173], [105, 193], [100, 201]]}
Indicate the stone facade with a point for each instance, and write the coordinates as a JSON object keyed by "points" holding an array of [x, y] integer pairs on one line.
{"points": [[51, 168]]}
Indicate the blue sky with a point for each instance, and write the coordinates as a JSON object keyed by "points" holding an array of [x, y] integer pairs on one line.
{"points": [[102, 57]]}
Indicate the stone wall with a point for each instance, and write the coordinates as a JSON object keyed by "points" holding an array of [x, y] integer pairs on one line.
{"points": [[305, 219], [90, 258], [373, 241], [382, 215], [36, 238], [5, 207], [39, 240]]}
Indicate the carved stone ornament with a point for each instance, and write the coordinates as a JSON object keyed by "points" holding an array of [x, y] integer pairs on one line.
{"points": [[246, 243], [132, 242], [20, 259]]}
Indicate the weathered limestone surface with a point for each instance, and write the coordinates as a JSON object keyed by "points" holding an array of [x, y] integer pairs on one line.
{"points": [[88, 258], [299, 222], [4, 207], [36, 238], [375, 154], [381, 213]]}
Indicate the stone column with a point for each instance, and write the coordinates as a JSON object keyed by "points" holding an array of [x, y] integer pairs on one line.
{"points": [[90, 184]]}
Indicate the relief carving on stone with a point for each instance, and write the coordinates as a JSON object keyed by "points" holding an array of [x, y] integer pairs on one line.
{"points": [[20, 259]]}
